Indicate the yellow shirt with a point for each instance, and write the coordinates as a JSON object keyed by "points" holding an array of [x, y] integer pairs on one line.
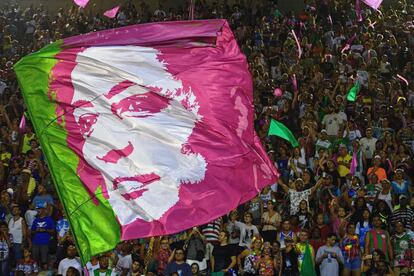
{"points": [[26, 142], [343, 170], [4, 156]]}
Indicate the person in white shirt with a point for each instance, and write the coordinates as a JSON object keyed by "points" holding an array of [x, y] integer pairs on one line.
{"points": [[123, 266], [332, 122], [247, 231], [70, 261], [368, 145]]}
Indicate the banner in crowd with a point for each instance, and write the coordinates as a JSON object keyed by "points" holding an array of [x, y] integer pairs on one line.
{"points": [[147, 129]]}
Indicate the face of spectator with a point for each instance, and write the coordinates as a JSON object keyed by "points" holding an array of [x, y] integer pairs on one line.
{"points": [[15, 211], [4, 229], [71, 251], [368, 133], [299, 185], [399, 227], [303, 236], [165, 244], [270, 205], [275, 247], [330, 241], [398, 174], [351, 229], [222, 237], [286, 226], [103, 262], [341, 212], [303, 205], [41, 189], [179, 255], [376, 222], [194, 269], [248, 218], [136, 266]]}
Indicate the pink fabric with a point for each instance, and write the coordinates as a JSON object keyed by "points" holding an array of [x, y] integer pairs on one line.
{"points": [[403, 79], [237, 165], [81, 3], [358, 10], [354, 163], [112, 12], [22, 125], [294, 83], [373, 3], [277, 92], [297, 44]]}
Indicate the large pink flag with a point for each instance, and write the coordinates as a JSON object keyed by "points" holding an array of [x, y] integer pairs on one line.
{"points": [[148, 129], [373, 3]]}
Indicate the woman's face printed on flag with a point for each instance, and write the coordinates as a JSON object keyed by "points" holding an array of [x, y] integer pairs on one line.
{"points": [[136, 120]]}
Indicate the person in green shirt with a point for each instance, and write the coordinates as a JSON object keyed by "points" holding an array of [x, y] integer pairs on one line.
{"points": [[403, 249], [103, 269]]}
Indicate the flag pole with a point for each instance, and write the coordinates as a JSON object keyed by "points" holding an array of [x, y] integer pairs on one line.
{"points": [[191, 10]]}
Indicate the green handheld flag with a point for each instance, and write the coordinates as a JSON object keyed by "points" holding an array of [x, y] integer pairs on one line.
{"points": [[279, 129], [353, 92], [307, 267]]}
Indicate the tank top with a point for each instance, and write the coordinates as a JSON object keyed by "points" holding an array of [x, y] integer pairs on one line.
{"points": [[16, 230], [282, 238]]}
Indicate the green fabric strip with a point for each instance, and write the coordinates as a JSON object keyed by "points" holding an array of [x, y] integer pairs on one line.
{"points": [[94, 226]]}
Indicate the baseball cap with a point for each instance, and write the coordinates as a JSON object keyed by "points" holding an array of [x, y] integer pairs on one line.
{"points": [[323, 130], [377, 157]]}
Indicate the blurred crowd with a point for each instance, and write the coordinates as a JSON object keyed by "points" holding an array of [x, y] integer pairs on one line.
{"points": [[345, 194]]}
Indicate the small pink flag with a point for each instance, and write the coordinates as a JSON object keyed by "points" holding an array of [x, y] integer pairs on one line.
{"points": [[294, 83], [297, 44], [112, 12], [277, 92], [354, 163], [358, 10], [345, 48], [373, 3], [22, 125], [348, 43], [330, 19], [403, 79], [81, 3]]}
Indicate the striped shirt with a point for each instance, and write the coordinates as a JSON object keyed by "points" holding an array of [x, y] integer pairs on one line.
{"points": [[405, 215], [211, 231]]}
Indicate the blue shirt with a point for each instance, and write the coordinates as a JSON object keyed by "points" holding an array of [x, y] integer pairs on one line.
{"points": [[42, 238], [182, 269], [399, 189]]}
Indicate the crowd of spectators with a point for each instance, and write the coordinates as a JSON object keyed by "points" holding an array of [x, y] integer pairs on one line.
{"points": [[357, 222]]}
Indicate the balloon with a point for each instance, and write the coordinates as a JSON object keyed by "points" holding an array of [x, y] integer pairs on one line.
{"points": [[278, 92]]}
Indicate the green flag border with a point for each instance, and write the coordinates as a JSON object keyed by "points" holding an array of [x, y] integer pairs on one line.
{"points": [[34, 76]]}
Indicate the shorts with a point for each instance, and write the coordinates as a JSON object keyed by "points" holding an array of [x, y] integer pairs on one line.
{"points": [[353, 264]]}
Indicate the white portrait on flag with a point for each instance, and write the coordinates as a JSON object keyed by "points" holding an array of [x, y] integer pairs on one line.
{"points": [[135, 118]]}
